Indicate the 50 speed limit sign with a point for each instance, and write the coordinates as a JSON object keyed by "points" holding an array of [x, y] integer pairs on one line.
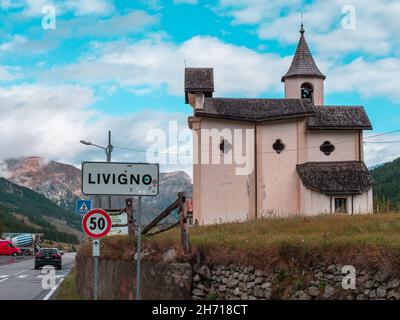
{"points": [[96, 223]]}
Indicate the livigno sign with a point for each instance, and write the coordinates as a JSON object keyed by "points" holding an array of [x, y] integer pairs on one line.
{"points": [[117, 178]]}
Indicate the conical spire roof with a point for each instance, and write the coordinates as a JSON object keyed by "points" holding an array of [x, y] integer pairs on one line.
{"points": [[303, 63]]}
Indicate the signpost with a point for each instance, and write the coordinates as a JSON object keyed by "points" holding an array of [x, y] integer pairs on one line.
{"points": [[83, 206], [96, 224], [122, 179]]}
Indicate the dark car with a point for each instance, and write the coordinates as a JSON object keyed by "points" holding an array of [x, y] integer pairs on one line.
{"points": [[48, 257]]}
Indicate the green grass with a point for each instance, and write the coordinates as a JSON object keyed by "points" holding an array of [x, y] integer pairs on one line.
{"points": [[270, 243], [68, 289], [318, 231]]}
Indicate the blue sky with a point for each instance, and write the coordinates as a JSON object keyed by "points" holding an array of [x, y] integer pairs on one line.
{"points": [[119, 65]]}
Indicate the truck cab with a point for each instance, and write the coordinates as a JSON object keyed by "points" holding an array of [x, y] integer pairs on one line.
{"points": [[7, 248]]}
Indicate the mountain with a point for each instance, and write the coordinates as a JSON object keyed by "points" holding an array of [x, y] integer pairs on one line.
{"points": [[57, 181], [387, 186], [61, 182], [24, 210]]}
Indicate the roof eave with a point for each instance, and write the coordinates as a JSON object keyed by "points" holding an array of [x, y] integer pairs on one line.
{"points": [[320, 76]]}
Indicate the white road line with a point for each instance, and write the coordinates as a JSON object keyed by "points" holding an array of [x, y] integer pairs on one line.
{"points": [[48, 296], [15, 274], [22, 276], [4, 276], [3, 280]]}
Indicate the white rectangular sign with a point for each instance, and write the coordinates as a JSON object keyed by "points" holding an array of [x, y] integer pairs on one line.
{"points": [[96, 248], [119, 219], [118, 231], [116, 178]]}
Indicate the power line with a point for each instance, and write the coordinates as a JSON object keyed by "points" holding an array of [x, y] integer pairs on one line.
{"points": [[272, 152]]}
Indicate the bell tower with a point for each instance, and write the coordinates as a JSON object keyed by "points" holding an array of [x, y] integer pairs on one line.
{"points": [[303, 79]]}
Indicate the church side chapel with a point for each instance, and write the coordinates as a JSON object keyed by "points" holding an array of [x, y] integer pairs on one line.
{"points": [[308, 157]]}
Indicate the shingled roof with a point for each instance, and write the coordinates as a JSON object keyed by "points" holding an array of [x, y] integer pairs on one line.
{"points": [[337, 177], [303, 63], [255, 109], [339, 117], [198, 79]]}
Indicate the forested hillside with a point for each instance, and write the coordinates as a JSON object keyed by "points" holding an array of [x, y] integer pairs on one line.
{"points": [[23, 210], [387, 186]]}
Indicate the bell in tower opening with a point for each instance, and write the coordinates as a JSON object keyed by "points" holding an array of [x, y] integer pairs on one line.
{"points": [[307, 91]]}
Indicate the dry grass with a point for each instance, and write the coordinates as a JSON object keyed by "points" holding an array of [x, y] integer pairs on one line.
{"points": [[68, 290], [362, 239], [367, 240]]}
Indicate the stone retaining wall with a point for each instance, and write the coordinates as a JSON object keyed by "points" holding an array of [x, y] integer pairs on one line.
{"points": [[324, 282], [117, 280]]}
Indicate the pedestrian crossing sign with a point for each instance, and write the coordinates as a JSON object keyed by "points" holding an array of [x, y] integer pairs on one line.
{"points": [[83, 206]]}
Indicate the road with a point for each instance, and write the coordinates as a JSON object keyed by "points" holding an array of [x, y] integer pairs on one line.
{"points": [[20, 281]]}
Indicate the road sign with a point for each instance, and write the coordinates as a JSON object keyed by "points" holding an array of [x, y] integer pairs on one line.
{"points": [[116, 178], [96, 248], [96, 223], [83, 206], [118, 231], [119, 219]]}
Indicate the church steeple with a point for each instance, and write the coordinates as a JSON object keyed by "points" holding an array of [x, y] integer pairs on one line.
{"points": [[303, 63], [304, 79]]}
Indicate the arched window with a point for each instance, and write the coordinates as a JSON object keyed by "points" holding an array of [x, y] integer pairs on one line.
{"points": [[307, 91]]}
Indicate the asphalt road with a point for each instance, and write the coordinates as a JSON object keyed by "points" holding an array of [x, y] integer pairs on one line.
{"points": [[20, 281]]}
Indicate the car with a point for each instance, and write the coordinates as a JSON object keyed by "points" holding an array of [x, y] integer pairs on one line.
{"points": [[7, 248], [48, 257]]}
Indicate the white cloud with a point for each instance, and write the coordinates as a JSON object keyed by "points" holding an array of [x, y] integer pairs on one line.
{"points": [[377, 153], [77, 7], [377, 24], [377, 78], [49, 121], [153, 63]]}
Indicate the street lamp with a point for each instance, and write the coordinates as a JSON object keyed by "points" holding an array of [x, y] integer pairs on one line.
{"points": [[108, 151]]}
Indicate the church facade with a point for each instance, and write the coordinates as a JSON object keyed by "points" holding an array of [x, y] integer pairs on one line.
{"points": [[307, 157]]}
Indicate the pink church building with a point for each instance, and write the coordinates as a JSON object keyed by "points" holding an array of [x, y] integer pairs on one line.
{"points": [[307, 157]]}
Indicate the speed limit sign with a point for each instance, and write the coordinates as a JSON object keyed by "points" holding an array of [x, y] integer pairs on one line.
{"points": [[96, 223]]}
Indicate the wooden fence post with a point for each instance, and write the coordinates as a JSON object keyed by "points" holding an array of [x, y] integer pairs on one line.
{"points": [[129, 213], [184, 223]]}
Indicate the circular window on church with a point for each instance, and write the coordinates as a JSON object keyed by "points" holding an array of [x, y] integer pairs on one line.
{"points": [[327, 148], [278, 146]]}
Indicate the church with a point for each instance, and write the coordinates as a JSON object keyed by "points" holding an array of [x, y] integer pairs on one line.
{"points": [[308, 156]]}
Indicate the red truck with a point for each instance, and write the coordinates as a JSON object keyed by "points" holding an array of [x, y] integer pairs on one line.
{"points": [[7, 248]]}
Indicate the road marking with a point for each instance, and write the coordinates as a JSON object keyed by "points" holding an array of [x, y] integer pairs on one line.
{"points": [[4, 276], [48, 296], [56, 276], [3, 280], [15, 274], [22, 276]]}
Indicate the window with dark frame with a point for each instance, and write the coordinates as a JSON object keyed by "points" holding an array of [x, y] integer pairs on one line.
{"points": [[340, 205], [225, 146], [327, 148], [278, 146]]}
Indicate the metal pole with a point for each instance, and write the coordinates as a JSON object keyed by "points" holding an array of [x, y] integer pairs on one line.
{"points": [[96, 271], [108, 153], [139, 238]]}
